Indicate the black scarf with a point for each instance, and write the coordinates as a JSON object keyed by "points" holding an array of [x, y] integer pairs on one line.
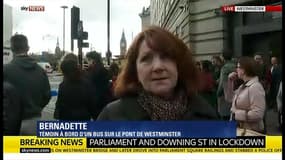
{"points": [[162, 109]]}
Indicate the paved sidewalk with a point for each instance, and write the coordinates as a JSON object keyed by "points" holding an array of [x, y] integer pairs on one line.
{"points": [[272, 123]]}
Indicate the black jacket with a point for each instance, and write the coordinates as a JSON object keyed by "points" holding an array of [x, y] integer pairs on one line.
{"points": [[75, 100], [11, 110], [31, 82], [276, 79], [128, 109], [100, 79]]}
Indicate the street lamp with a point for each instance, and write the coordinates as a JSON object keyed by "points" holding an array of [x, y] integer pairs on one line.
{"points": [[109, 53], [63, 49]]}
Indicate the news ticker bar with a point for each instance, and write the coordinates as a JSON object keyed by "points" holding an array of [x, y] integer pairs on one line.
{"points": [[32, 144], [29, 144], [233, 8], [245, 142], [144, 156]]}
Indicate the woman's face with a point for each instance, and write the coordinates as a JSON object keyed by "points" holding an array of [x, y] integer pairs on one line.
{"points": [[156, 71], [240, 71]]}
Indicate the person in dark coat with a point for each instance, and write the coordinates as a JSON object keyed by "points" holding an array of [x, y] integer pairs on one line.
{"points": [[100, 78], [264, 74], [158, 82], [276, 74], [113, 71], [11, 110], [31, 82], [223, 96], [75, 94], [208, 83], [217, 65]]}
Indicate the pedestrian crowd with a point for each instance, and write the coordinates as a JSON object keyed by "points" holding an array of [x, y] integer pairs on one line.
{"points": [[160, 80], [243, 89]]}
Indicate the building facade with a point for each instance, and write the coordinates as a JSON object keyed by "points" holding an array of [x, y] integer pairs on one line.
{"points": [[145, 17], [208, 31], [8, 25], [7, 33]]}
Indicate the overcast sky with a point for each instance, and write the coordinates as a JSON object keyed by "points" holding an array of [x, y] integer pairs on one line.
{"points": [[43, 28]]}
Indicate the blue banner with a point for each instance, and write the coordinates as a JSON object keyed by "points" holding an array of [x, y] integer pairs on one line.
{"points": [[137, 129]]}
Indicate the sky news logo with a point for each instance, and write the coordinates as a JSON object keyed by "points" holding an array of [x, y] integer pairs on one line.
{"points": [[33, 8]]}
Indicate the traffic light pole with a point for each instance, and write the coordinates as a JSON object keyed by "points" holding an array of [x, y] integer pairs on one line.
{"points": [[78, 33], [108, 54], [75, 16], [80, 53], [63, 39], [79, 42], [81, 36]]}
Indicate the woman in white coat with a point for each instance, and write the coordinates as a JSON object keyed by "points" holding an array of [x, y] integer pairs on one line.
{"points": [[248, 104]]}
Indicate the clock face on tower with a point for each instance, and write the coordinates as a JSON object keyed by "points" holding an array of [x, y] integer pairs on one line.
{"points": [[123, 44]]}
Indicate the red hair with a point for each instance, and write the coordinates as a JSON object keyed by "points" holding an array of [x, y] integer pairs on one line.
{"points": [[161, 40]]}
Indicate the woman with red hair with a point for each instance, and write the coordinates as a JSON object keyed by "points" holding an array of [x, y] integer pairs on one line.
{"points": [[158, 82]]}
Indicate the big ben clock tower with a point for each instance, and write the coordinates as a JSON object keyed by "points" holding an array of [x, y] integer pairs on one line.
{"points": [[123, 44]]}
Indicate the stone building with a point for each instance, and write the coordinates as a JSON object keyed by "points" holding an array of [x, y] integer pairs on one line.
{"points": [[208, 31], [145, 17], [7, 24], [7, 33]]}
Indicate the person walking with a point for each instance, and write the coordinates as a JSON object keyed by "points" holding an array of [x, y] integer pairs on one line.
{"points": [[114, 71], [100, 78], [208, 90], [276, 74], [264, 73], [224, 89], [217, 65], [75, 94], [11, 110], [248, 106], [30, 81]]}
